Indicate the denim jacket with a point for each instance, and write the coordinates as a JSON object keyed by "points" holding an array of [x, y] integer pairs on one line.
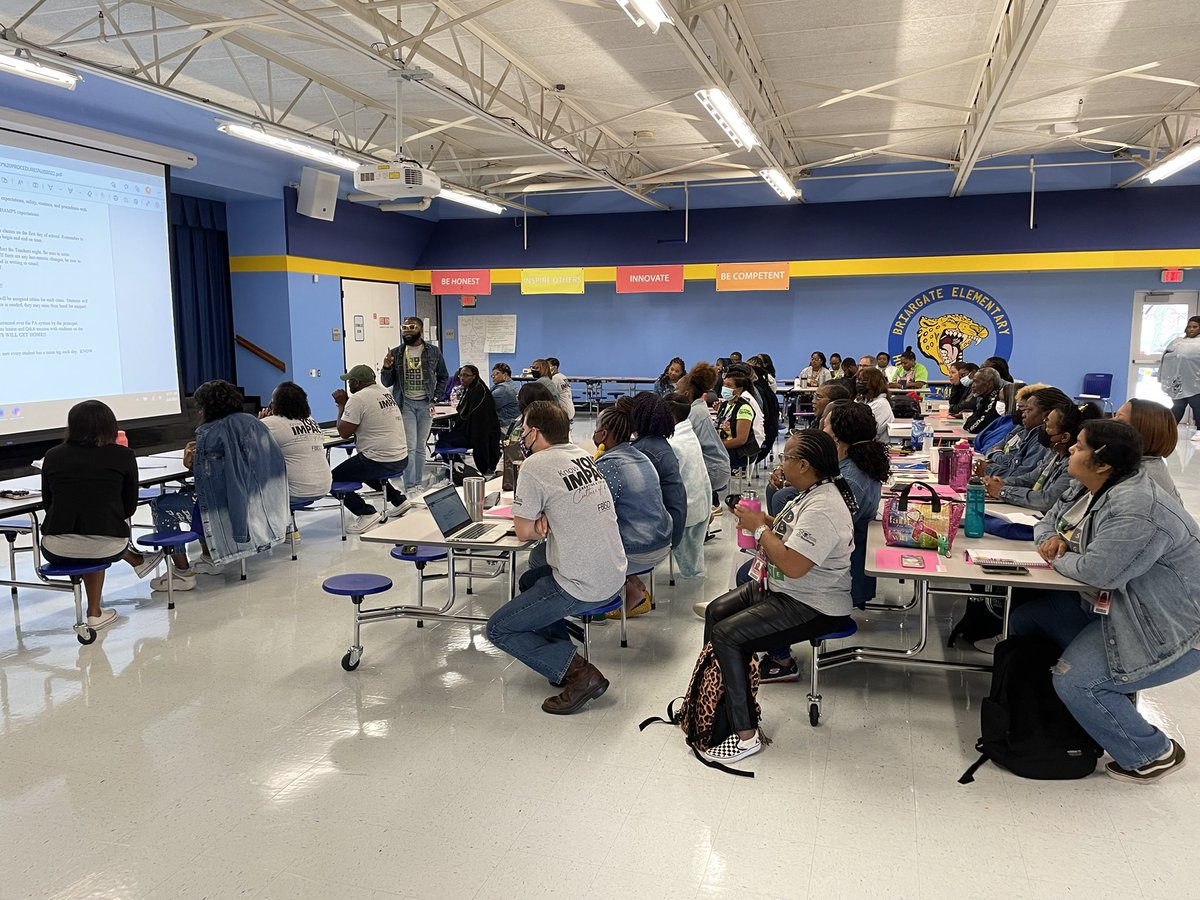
{"points": [[716, 457], [1025, 455], [674, 494], [1143, 546], [241, 487], [1020, 490], [433, 371], [641, 514]]}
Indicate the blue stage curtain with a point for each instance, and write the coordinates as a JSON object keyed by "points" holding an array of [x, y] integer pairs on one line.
{"points": [[200, 276]]}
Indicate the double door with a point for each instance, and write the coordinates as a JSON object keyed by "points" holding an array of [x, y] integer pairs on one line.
{"points": [[1158, 318]]}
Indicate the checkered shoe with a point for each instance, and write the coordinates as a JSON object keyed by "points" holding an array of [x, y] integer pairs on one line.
{"points": [[733, 749]]}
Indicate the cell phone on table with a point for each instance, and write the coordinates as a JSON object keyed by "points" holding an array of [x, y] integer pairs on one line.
{"points": [[491, 499], [1003, 569], [912, 562]]}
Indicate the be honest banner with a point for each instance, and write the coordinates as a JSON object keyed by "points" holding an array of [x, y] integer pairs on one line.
{"points": [[461, 281]]}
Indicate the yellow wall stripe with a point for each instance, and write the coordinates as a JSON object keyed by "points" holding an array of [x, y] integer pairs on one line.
{"points": [[1082, 260]]}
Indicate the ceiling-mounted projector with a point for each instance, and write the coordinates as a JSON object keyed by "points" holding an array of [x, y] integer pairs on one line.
{"points": [[397, 180]]}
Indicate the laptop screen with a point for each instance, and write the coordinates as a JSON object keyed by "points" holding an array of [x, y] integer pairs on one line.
{"points": [[447, 508]]}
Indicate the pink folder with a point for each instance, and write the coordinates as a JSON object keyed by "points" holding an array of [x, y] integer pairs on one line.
{"points": [[889, 558]]}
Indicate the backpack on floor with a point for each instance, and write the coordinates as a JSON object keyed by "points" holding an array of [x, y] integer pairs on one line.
{"points": [[1026, 728], [701, 714]]}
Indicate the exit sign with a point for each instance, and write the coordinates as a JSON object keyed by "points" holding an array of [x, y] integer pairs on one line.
{"points": [[468, 301], [1172, 276]]}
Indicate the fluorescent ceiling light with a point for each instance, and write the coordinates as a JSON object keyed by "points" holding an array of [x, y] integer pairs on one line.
{"points": [[728, 116], [1175, 162], [21, 63], [257, 135], [781, 183], [646, 12], [470, 200]]}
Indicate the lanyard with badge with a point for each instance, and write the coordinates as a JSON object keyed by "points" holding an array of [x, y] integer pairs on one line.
{"points": [[762, 566]]}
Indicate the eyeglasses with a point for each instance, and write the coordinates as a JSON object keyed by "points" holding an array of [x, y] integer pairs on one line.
{"points": [[793, 456]]}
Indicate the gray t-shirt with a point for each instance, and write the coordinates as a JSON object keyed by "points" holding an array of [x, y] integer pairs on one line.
{"points": [[380, 434], [818, 526], [584, 547], [303, 446]]}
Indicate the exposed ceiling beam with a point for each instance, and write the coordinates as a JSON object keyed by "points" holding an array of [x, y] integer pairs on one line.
{"points": [[1021, 25]]}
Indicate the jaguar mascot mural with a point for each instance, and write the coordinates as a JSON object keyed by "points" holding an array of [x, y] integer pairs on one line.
{"points": [[946, 338]]}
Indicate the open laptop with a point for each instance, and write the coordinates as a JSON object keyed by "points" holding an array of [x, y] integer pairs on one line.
{"points": [[452, 519]]}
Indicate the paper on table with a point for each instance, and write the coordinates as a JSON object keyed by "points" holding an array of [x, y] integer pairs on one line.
{"points": [[889, 558], [1031, 559], [500, 512], [1016, 518]]}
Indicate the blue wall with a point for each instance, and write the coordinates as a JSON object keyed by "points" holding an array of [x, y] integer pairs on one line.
{"points": [[357, 234]]}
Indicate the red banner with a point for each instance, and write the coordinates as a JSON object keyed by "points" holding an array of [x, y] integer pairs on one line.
{"points": [[461, 281], [649, 279]]}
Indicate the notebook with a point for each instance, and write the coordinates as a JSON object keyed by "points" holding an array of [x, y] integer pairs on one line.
{"points": [[1031, 559]]}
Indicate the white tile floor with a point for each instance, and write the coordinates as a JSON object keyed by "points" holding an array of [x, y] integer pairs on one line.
{"points": [[219, 750]]}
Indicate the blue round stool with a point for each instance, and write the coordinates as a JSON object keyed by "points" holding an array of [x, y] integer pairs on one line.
{"points": [[447, 456], [339, 490], [356, 586], [421, 558], [597, 613], [85, 634], [168, 542], [294, 505], [818, 645]]}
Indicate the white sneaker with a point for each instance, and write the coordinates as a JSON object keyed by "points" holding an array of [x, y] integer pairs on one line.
{"points": [[150, 562], [359, 524], [184, 581], [205, 566], [395, 512], [106, 618], [732, 749], [987, 645]]}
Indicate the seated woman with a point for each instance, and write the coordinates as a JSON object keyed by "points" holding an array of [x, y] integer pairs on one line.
{"points": [[960, 396], [874, 392], [90, 490], [1156, 425], [801, 581], [735, 422], [528, 393], [816, 373], [908, 372], [696, 385], [1042, 487], [1138, 551], [653, 424], [289, 419], [675, 370], [989, 400], [642, 517], [241, 483], [476, 425], [689, 553]]}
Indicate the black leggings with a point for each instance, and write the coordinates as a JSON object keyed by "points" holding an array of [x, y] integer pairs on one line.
{"points": [[747, 620]]}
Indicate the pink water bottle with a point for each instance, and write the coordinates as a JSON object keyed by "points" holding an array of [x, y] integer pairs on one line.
{"points": [[121, 439], [960, 466], [745, 538]]}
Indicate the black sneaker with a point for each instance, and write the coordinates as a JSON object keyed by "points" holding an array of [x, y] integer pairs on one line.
{"points": [[771, 669], [1153, 771]]}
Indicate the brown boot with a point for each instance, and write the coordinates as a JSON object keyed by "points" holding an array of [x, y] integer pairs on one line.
{"points": [[583, 682]]}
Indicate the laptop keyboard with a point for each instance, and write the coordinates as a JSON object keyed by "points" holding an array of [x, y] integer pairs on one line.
{"points": [[473, 532]]}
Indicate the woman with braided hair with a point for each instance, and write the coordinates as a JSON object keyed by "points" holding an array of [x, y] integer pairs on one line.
{"points": [[800, 586]]}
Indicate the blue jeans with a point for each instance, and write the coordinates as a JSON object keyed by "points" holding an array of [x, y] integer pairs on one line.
{"points": [[417, 423], [531, 626], [778, 499], [359, 468], [1097, 700]]}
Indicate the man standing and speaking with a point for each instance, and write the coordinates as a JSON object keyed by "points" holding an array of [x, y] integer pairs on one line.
{"points": [[416, 373]]}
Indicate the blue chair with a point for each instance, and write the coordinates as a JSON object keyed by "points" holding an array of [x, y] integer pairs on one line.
{"points": [[12, 529], [447, 456], [83, 632], [421, 558], [356, 586], [294, 505], [598, 614], [1097, 386], [339, 490], [170, 542], [818, 645]]}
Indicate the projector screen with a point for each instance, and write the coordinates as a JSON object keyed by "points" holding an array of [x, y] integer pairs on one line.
{"points": [[85, 286]]}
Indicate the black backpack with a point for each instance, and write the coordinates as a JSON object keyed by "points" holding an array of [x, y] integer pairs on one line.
{"points": [[979, 621], [1026, 727]]}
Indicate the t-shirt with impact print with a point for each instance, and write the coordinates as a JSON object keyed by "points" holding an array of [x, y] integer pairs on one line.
{"points": [[584, 547]]}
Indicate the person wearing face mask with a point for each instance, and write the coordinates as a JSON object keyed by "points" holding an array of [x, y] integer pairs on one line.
{"points": [[563, 499], [1042, 488], [960, 396], [417, 375], [1022, 450], [1136, 623], [735, 422], [1179, 371]]}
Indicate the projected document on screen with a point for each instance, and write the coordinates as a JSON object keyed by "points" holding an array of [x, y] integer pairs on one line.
{"points": [[85, 285]]}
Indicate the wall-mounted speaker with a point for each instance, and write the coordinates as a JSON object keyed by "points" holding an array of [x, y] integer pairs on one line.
{"points": [[318, 193]]}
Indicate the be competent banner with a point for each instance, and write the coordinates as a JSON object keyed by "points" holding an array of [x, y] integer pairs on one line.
{"points": [[461, 281], [753, 276], [552, 281], [649, 279]]}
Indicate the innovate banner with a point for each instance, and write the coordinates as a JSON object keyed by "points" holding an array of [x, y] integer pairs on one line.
{"points": [[461, 281], [649, 279], [753, 276], [552, 281]]}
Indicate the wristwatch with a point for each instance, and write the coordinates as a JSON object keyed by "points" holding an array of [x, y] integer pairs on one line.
{"points": [[759, 531]]}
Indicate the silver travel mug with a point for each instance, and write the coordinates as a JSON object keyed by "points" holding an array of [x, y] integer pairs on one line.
{"points": [[473, 497]]}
